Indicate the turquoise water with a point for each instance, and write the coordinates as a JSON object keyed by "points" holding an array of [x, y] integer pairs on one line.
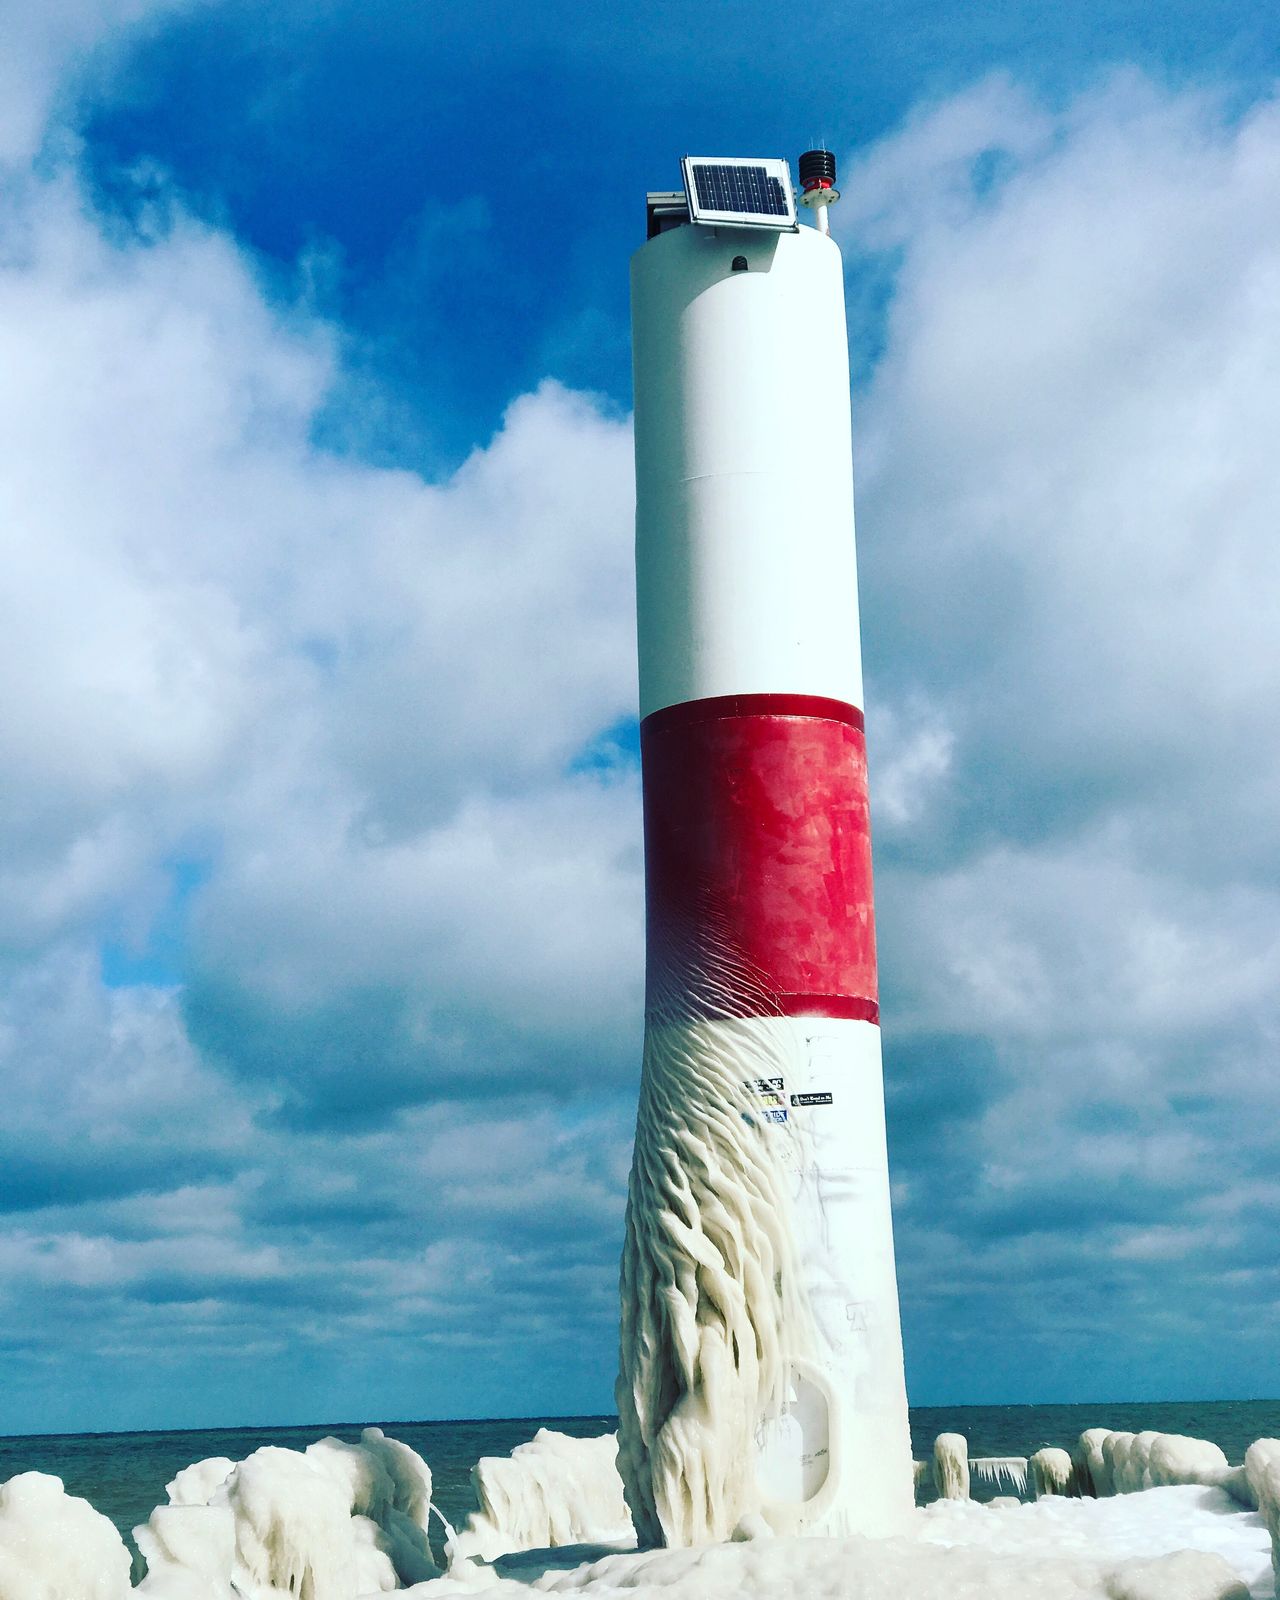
{"points": [[124, 1474]]}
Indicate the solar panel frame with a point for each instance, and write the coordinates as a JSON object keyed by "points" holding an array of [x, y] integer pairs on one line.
{"points": [[739, 191]]}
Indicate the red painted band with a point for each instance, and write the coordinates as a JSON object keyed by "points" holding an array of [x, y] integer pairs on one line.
{"points": [[751, 705], [758, 860]]}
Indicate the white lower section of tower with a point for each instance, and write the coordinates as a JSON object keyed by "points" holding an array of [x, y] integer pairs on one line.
{"points": [[839, 1459], [761, 1363]]}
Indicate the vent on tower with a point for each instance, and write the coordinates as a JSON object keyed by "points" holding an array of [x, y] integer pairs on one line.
{"points": [[739, 193], [665, 209]]}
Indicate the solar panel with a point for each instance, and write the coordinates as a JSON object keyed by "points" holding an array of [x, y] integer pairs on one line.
{"points": [[740, 193]]}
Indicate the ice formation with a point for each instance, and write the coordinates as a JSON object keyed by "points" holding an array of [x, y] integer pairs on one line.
{"points": [[1052, 1472], [328, 1523], [1262, 1466], [951, 1466], [1139, 1473], [56, 1547], [1125, 1463], [1115, 1455], [553, 1491], [189, 1551], [195, 1485], [1173, 1458], [712, 1314], [1001, 1472], [1093, 1476]]}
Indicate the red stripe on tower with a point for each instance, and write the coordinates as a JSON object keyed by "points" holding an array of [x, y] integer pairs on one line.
{"points": [[758, 858]]}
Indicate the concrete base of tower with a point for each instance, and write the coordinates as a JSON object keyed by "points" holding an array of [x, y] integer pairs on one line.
{"points": [[761, 1355]]}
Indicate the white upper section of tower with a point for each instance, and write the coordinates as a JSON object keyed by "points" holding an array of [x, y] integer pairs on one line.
{"points": [[746, 571]]}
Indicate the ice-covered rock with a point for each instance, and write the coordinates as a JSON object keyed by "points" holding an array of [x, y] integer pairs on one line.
{"points": [[1052, 1472], [951, 1466], [554, 1490], [1174, 1458], [293, 1529], [1235, 1480], [195, 1485], [1262, 1467], [189, 1551], [326, 1523], [54, 1546], [1115, 1456], [1093, 1476], [1181, 1575], [1139, 1473], [409, 1473], [1131, 1462]]}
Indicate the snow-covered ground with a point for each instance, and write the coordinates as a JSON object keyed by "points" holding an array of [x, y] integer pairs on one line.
{"points": [[347, 1522], [1160, 1544]]}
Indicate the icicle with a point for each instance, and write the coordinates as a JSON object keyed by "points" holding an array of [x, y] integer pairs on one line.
{"points": [[1001, 1472]]}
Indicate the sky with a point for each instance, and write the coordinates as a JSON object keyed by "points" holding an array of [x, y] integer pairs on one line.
{"points": [[320, 875]]}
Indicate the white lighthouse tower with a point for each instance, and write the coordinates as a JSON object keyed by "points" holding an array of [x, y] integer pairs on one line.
{"points": [[761, 1360]]}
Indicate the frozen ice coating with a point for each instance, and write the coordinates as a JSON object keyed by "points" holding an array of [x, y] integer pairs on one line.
{"points": [[951, 1466], [1262, 1467], [1092, 1472], [1115, 1456], [554, 1490], [1052, 1472], [1181, 1575], [760, 1370], [1174, 1458], [293, 1529], [409, 1474], [1139, 1473], [194, 1485], [1126, 1463], [190, 1552], [54, 1546], [712, 1318], [326, 1523]]}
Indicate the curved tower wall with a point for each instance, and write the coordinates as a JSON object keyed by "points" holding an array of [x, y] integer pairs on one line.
{"points": [[761, 937]]}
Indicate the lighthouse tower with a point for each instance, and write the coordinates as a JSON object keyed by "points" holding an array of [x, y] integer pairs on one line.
{"points": [[761, 1367]]}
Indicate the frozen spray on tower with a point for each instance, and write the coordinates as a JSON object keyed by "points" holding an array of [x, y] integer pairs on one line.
{"points": [[761, 1354]]}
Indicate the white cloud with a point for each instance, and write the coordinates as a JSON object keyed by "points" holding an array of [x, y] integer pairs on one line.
{"points": [[1067, 515], [347, 703]]}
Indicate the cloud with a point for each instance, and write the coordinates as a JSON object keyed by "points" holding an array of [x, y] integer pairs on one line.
{"points": [[1066, 510], [334, 746]]}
